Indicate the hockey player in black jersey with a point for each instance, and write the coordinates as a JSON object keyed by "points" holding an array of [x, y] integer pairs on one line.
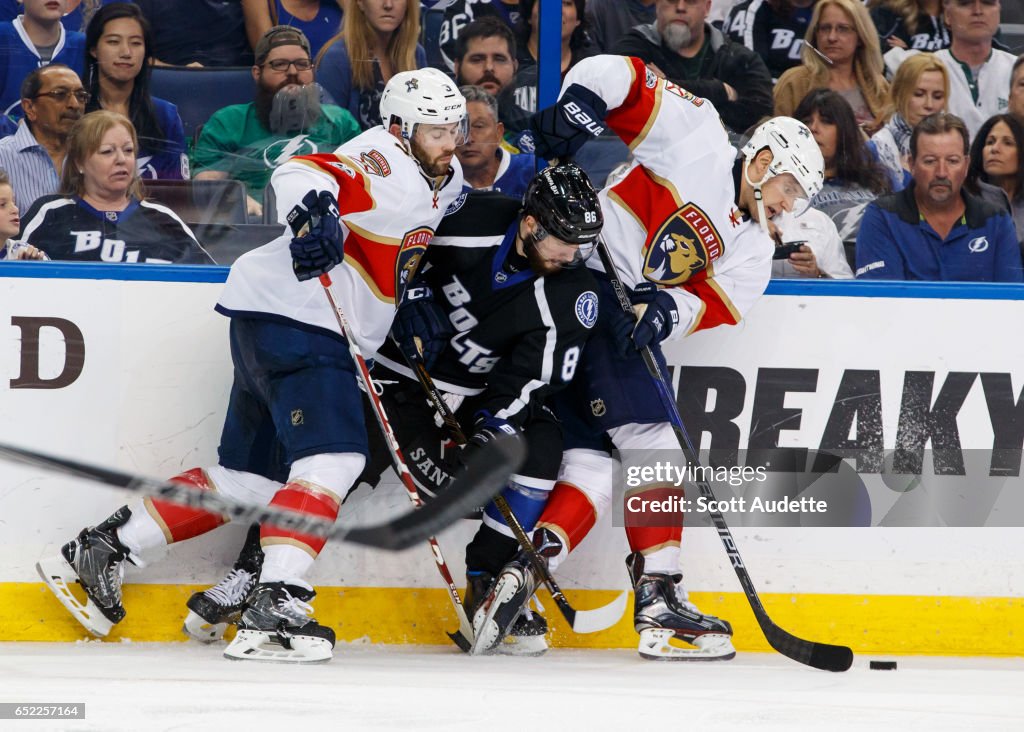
{"points": [[499, 315]]}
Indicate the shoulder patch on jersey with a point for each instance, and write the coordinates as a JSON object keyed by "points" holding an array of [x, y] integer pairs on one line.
{"points": [[686, 243], [375, 163], [680, 92], [455, 205], [586, 309], [650, 79], [346, 169]]}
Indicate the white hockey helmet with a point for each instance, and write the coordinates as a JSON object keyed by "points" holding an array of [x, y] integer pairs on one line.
{"points": [[422, 96], [794, 151]]}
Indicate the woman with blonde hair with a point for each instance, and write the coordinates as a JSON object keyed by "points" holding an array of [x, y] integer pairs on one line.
{"points": [[378, 39], [920, 88], [840, 53], [100, 214]]}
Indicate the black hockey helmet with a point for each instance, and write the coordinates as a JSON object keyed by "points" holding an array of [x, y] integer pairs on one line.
{"points": [[565, 204]]}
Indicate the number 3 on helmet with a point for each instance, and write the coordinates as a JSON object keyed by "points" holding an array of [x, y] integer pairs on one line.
{"points": [[422, 97]]}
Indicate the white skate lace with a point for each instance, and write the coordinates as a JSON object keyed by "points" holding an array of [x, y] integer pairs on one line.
{"points": [[232, 589], [294, 607], [683, 597]]}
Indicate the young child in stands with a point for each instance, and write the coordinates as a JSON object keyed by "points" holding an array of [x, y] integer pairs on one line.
{"points": [[9, 225]]}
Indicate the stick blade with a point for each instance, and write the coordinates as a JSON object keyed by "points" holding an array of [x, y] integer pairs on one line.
{"points": [[601, 618], [484, 476], [824, 656]]}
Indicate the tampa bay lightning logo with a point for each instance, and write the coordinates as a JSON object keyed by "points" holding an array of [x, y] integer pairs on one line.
{"points": [[455, 205], [586, 309]]}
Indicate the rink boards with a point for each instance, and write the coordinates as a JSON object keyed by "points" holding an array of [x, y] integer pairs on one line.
{"points": [[135, 374]]}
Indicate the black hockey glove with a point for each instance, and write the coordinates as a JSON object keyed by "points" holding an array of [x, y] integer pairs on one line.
{"points": [[657, 316], [560, 130], [486, 429], [317, 243], [421, 328]]}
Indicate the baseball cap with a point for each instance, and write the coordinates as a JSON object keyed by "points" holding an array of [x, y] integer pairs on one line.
{"points": [[280, 35]]}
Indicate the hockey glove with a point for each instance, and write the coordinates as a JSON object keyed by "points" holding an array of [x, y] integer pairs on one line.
{"points": [[421, 328], [656, 315], [317, 244], [486, 429], [560, 130]]}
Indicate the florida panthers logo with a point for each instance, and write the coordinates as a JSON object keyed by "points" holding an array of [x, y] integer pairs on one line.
{"points": [[414, 245], [685, 244]]}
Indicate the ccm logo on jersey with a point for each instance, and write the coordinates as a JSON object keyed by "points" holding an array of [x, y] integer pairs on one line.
{"points": [[578, 117], [684, 245], [978, 245]]}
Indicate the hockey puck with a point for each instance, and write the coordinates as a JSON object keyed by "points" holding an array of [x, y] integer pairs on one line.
{"points": [[882, 665]]}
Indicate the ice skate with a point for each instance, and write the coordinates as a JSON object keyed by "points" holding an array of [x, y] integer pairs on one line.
{"points": [[95, 559], [211, 610], [277, 625], [503, 622], [662, 611]]}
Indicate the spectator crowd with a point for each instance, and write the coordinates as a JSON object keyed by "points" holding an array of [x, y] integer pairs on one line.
{"points": [[917, 107]]}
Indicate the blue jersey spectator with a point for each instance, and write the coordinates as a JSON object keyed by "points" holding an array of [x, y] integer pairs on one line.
{"points": [[374, 45], [487, 164], [119, 41], [33, 39], [933, 229], [319, 20]]}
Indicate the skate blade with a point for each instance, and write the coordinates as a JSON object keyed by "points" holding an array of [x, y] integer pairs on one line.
{"points": [[654, 646], [256, 645], [56, 572], [197, 628], [522, 645], [486, 633]]}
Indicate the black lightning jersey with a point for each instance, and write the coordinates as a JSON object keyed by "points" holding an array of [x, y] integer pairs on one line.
{"points": [[68, 228], [518, 336]]}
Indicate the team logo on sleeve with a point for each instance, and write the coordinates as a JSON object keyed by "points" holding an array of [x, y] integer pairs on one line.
{"points": [[586, 309], [685, 244], [375, 163]]}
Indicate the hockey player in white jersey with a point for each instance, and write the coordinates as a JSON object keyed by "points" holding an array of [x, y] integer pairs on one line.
{"points": [[687, 228], [294, 435]]}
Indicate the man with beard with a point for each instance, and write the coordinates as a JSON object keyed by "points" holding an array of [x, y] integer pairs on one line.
{"points": [[682, 47], [485, 55], [294, 435], [247, 141], [498, 316], [933, 229], [53, 99]]}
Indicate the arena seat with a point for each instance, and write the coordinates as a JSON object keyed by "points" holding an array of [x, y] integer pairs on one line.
{"points": [[199, 92]]}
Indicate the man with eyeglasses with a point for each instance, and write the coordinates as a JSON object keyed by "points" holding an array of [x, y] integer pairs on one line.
{"points": [[979, 73], [933, 229], [33, 39], [247, 142], [53, 99]]}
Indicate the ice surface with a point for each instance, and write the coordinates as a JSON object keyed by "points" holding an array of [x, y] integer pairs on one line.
{"points": [[179, 686]]}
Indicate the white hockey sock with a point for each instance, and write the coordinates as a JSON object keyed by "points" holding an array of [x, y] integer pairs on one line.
{"points": [[662, 561], [141, 532], [285, 563]]}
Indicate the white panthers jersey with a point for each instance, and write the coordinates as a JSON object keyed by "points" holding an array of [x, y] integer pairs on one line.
{"points": [[389, 211], [671, 217]]}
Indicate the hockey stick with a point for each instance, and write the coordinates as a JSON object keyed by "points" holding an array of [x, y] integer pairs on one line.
{"points": [[581, 621], [819, 655], [481, 480], [463, 637]]}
